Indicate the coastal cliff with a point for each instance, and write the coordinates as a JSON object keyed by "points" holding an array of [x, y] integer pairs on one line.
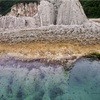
{"points": [[22, 9], [47, 22], [48, 12]]}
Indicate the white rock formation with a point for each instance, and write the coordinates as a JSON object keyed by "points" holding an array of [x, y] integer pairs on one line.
{"points": [[56, 3], [67, 13], [21, 9], [71, 12], [61, 12], [46, 12], [49, 12], [12, 22]]}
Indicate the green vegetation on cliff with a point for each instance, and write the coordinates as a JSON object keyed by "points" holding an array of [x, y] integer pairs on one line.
{"points": [[91, 7], [94, 55]]}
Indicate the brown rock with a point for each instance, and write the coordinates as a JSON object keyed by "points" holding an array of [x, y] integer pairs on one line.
{"points": [[21, 9]]}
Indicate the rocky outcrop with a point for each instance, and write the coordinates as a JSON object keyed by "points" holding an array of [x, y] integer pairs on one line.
{"points": [[22, 9], [61, 12], [22, 15], [50, 12], [47, 13], [12, 22], [71, 12], [58, 12]]}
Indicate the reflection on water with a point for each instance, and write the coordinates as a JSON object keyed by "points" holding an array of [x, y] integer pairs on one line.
{"points": [[35, 80]]}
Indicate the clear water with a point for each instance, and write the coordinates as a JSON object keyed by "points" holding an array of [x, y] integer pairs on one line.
{"points": [[34, 80]]}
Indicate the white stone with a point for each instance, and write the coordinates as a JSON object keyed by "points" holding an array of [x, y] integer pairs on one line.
{"points": [[46, 12], [71, 12], [12, 22]]}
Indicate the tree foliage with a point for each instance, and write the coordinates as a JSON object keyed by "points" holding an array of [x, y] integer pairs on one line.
{"points": [[91, 8]]}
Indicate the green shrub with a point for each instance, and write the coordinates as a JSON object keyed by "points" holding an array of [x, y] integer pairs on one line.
{"points": [[91, 8], [94, 55]]}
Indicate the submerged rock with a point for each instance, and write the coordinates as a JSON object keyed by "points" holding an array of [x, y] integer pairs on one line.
{"points": [[35, 80], [30, 80]]}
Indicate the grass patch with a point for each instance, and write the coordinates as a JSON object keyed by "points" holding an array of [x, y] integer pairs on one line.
{"points": [[94, 55]]}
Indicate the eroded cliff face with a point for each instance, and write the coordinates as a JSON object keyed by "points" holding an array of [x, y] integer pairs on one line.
{"points": [[22, 9], [68, 15], [71, 12], [12, 22], [22, 15], [48, 12], [62, 12]]}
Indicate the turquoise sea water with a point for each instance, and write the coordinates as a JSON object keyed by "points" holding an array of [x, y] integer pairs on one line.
{"points": [[35, 80]]}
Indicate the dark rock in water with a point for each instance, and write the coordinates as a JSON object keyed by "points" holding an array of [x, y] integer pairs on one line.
{"points": [[19, 94], [56, 92], [9, 90]]}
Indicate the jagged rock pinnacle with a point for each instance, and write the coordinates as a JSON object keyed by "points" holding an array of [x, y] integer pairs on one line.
{"points": [[48, 12]]}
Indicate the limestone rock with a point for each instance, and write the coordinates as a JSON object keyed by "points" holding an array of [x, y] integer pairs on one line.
{"points": [[12, 22], [22, 9], [37, 20], [46, 12], [63, 12], [71, 12], [56, 2]]}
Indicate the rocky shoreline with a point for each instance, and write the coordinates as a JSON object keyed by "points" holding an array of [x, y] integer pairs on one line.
{"points": [[49, 36], [55, 52]]}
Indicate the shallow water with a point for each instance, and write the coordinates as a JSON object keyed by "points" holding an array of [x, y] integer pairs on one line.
{"points": [[84, 80], [35, 80]]}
